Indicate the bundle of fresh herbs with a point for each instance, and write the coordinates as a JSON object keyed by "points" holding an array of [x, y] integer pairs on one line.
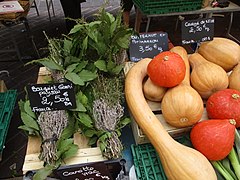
{"points": [[92, 57]]}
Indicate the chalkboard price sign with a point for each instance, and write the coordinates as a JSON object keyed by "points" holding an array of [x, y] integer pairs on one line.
{"points": [[199, 30], [49, 97], [147, 45], [92, 171]]}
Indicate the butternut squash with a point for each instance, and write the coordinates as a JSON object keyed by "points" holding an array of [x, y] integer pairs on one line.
{"points": [[152, 91], [234, 78], [206, 77], [179, 162], [221, 51], [182, 106]]}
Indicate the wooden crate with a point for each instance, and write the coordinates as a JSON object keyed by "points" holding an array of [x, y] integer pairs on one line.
{"points": [[85, 153], [139, 136]]}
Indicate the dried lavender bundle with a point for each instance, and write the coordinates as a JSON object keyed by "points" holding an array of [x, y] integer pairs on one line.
{"points": [[106, 118], [114, 147], [52, 124]]}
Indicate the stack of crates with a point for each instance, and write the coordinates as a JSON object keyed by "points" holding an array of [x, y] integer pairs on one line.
{"points": [[7, 103], [151, 7]]}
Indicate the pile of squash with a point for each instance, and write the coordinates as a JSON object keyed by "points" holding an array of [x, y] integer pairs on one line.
{"points": [[182, 91]]}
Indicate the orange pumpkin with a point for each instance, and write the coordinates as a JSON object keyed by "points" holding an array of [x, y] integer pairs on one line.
{"points": [[167, 69]]}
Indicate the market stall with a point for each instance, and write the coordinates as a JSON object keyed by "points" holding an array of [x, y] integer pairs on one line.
{"points": [[164, 102]]}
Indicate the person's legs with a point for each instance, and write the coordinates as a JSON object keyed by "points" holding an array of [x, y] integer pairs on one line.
{"points": [[126, 7], [71, 9]]}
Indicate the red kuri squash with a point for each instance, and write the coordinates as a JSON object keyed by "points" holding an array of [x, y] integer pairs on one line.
{"points": [[214, 138], [167, 69], [224, 104]]}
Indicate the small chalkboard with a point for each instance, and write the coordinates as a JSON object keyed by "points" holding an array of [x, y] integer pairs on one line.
{"points": [[49, 97], [92, 171], [147, 45], [198, 30]]}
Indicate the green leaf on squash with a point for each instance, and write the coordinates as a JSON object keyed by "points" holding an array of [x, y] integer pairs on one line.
{"points": [[73, 77], [101, 65]]}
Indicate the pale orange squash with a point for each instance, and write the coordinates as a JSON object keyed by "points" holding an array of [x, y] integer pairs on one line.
{"points": [[182, 106], [206, 77], [152, 91], [234, 78], [221, 51]]}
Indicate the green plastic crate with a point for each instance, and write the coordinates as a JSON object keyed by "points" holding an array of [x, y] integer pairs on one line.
{"points": [[150, 7], [7, 103], [147, 163]]}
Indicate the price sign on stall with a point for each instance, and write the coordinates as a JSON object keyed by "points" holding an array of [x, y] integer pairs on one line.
{"points": [[49, 97], [91, 171], [147, 45], [199, 30]]}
